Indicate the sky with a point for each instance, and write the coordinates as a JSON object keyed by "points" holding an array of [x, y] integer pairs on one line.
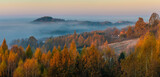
{"points": [[78, 7]]}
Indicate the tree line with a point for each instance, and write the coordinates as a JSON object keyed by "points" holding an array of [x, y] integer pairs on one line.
{"points": [[60, 62], [90, 61]]}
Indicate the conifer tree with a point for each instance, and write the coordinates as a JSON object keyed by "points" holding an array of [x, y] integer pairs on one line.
{"points": [[4, 45], [29, 52], [38, 54]]}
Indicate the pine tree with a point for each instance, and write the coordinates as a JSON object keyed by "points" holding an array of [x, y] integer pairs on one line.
{"points": [[121, 57]]}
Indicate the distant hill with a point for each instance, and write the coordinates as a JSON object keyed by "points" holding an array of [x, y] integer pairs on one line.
{"points": [[123, 22], [95, 23], [47, 19]]}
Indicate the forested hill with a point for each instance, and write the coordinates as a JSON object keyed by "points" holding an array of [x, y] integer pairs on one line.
{"points": [[48, 19], [110, 35], [89, 61]]}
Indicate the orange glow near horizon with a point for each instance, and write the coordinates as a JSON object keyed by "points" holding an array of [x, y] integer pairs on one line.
{"points": [[78, 7]]}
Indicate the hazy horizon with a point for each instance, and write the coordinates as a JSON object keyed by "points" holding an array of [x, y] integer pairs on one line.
{"points": [[21, 28], [79, 18], [16, 15], [20, 8]]}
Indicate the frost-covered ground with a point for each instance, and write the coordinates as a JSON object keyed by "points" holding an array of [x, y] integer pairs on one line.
{"points": [[126, 46]]}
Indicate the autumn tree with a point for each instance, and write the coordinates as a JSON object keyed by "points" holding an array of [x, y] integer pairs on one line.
{"points": [[0, 58], [155, 59], [66, 62], [29, 52], [110, 61], [122, 34], [92, 62], [45, 59], [6, 55], [139, 62], [38, 54], [54, 50], [73, 51], [12, 62], [74, 56], [59, 48], [19, 72], [129, 66], [1, 51], [116, 32], [4, 45], [140, 27], [81, 40], [130, 32], [19, 50], [3, 68], [31, 68], [55, 65], [49, 56], [154, 19]]}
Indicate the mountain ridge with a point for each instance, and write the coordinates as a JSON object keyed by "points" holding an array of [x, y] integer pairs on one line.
{"points": [[49, 19]]}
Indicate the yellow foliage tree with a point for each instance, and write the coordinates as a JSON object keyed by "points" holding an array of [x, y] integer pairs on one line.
{"points": [[4, 45], [19, 72], [3, 68], [55, 65], [12, 62], [38, 54], [31, 68], [92, 62], [139, 62]]}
